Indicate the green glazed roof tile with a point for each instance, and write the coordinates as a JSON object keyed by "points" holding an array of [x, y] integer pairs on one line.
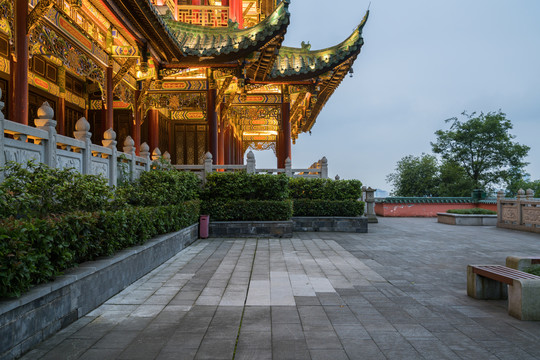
{"points": [[302, 61], [195, 40]]}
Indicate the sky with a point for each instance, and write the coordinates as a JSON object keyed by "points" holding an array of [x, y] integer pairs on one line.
{"points": [[423, 61]]}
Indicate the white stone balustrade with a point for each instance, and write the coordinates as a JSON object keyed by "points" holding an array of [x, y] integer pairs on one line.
{"points": [[520, 213], [21, 143]]}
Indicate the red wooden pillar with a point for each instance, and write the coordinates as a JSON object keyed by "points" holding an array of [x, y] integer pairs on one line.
{"points": [[21, 76], [211, 118], [227, 147], [286, 124], [61, 108], [221, 143], [109, 119], [137, 127], [236, 12], [153, 129]]}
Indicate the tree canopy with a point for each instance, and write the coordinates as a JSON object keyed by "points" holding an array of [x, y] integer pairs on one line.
{"points": [[483, 147], [420, 176]]}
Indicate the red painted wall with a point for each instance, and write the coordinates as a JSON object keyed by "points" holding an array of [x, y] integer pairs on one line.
{"points": [[423, 209]]}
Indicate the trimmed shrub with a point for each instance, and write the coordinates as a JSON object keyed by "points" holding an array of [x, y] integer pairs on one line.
{"points": [[325, 189], [243, 186], [161, 187], [36, 190], [535, 270], [317, 207], [246, 210], [473, 211], [37, 250]]}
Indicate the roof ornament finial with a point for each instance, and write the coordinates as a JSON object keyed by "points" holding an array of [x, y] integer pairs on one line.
{"points": [[306, 46]]}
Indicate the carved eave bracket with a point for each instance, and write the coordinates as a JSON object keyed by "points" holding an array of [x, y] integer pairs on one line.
{"points": [[37, 13], [261, 68], [130, 62], [219, 98]]}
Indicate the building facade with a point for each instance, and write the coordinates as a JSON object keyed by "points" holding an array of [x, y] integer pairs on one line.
{"points": [[185, 76]]}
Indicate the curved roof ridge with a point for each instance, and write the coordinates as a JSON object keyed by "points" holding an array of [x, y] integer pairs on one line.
{"points": [[292, 61]]}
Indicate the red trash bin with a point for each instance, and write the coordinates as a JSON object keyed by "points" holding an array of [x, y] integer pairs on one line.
{"points": [[203, 226]]}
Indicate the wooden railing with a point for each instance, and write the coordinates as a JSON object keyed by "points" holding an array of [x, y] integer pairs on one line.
{"points": [[214, 16], [520, 213]]}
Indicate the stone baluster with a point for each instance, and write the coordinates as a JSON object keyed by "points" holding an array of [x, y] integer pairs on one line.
{"points": [[82, 133], [109, 140], [288, 167], [370, 205], [250, 163], [207, 166], [2, 154], [156, 154], [45, 122], [167, 157], [145, 153], [529, 194], [324, 168], [521, 197], [337, 177], [500, 198], [129, 148]]}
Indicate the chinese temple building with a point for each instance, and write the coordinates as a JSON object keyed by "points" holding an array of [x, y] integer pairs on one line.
{"points": [[186, 76]]}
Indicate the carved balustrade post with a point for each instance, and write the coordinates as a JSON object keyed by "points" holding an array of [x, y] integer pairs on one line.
{"points": [[129, 148], [250, 163], [82, 133], [156, 155], [288, 167], [167, 157], [145, 153], [500, 197], [324, 168], [521, 197], [45, 122], [207, 170], [2, 154], [529, 194], [109, 140]]}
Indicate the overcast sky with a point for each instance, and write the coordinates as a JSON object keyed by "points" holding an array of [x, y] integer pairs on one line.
{"points": [[423, 61]]}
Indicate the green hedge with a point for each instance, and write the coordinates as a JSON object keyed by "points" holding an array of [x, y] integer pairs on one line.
{"points": [[161, 187], [36, 190], [245, 210], [325, 189], [37, 250], [473, 211], [317, 207], [243, 186]]}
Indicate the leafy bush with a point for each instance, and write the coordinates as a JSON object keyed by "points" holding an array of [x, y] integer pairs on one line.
{"points": [[473, 211], [245, 210], [325, 189], [36, 190], [535, 270], [161, 187], [34, 251], [317, 207], [243, 186]]}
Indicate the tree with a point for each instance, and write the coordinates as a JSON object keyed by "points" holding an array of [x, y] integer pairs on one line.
{"points": [[415, 176], [453, 180], [514, 187], [483, 147]]}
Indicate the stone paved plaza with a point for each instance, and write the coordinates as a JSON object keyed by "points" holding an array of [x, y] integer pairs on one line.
{"points": [[398, 292]]}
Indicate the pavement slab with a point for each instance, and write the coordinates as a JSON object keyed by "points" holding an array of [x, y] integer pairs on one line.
{"points": [[397, 292]]}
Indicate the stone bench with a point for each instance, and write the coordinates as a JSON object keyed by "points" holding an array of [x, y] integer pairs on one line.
{"points": [[492, 282]]}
